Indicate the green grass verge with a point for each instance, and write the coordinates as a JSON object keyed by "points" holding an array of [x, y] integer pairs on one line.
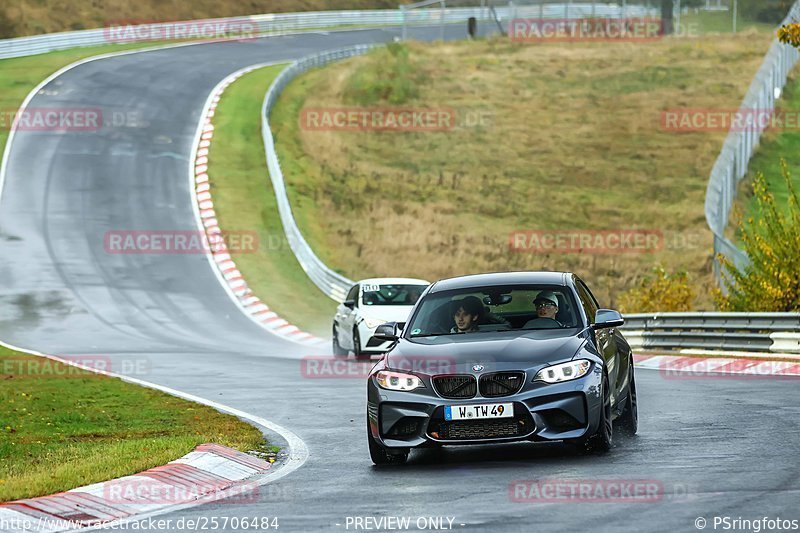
{"points": [[62, 428], [244, 200]]}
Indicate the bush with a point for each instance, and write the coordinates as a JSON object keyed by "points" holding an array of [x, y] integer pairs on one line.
{"points": [[790, 34], [661, 293], [389, 76], [771, 238]]}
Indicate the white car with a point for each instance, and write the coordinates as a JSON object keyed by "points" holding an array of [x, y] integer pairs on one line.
{"points": [[370, 303]]}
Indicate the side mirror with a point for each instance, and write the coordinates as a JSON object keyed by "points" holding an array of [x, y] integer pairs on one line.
{"points": [[386, 332], [607, 318], [349, 303]]}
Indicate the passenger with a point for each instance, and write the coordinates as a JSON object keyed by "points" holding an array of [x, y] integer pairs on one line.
{"points": [[546, 304], [413, 296], [468, 313]]}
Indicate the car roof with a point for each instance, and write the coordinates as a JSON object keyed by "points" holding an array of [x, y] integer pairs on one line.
{"points": [[501, 278], [394, 281]]}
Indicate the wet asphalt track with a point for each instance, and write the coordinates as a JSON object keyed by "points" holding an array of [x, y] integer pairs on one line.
{"points": [[716, 446]]}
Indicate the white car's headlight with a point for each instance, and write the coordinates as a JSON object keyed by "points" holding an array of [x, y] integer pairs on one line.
{"points": [[373, 323], [398, 381], [564, 371]]}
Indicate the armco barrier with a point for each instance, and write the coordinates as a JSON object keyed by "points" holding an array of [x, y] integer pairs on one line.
{"points": [[748, 332], [329, 282]]}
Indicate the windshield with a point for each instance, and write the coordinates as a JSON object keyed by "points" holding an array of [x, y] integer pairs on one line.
{"points": [[391, 294], [495, 308]]}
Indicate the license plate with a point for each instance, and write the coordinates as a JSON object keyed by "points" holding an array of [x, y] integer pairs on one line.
{"points": [[477, 412]]}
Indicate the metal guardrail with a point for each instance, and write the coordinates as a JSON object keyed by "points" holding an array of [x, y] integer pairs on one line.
{"points": [[281, 23], [749, 332], [740, 145], [331, 283]]}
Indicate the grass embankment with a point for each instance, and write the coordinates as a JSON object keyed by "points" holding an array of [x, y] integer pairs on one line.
{"points": [[244, 201], [776, 143], [570, 139], [61, 427]]}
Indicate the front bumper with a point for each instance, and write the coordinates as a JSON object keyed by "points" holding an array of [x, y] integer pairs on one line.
{"points": [[542, 412]]}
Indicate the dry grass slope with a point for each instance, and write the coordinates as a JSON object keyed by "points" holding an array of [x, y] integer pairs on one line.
{"points": [[571, 140]]}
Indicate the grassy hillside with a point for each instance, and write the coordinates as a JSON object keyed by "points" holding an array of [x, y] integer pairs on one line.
{"points": [[567, 138]]}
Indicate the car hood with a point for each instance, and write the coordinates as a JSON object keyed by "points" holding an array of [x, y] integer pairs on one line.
{"points": [[493, 351], [387, 313]]}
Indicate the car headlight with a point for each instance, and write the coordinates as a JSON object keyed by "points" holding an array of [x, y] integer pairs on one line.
{"points": [[373, 323], [564, 371], [398, 381]]}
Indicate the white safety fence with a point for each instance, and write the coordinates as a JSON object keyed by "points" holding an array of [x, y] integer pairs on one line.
{"points": [[740, 145]]}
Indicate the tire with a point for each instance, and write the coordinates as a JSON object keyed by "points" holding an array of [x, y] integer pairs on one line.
{"points": [[338, 351], [629, 419], [603, 438], [380, 456], [360, 355]]}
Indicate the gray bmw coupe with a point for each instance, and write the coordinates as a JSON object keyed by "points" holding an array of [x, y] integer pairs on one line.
{"points": [[498, 358]]}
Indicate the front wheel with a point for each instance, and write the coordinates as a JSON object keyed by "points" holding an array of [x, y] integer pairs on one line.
{"points": [[603, 438], [629, 420], [360, 355], [380, 455], [338, 351]]}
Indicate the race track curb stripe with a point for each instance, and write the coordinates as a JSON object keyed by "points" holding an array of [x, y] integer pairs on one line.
{"points": [[677, 367], [227, 272], [209, 470]]}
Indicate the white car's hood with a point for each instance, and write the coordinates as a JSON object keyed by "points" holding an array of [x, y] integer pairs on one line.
{"points": [[387, 313]]}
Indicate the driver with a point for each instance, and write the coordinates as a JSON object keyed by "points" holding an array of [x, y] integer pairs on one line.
{"points": [[467, 314], [546, 304]]}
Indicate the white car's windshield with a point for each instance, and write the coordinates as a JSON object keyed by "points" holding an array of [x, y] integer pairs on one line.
{"points": [[391, 294], [495, 308]]}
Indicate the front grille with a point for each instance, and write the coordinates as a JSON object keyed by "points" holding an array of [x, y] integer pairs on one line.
{"points": [[482, 429], [455, 386], [501, 384]]}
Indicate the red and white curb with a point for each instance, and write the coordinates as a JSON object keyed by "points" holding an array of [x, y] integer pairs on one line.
{"points": [[209, 470], [212, 458], [219, 255], [671, 365]]}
